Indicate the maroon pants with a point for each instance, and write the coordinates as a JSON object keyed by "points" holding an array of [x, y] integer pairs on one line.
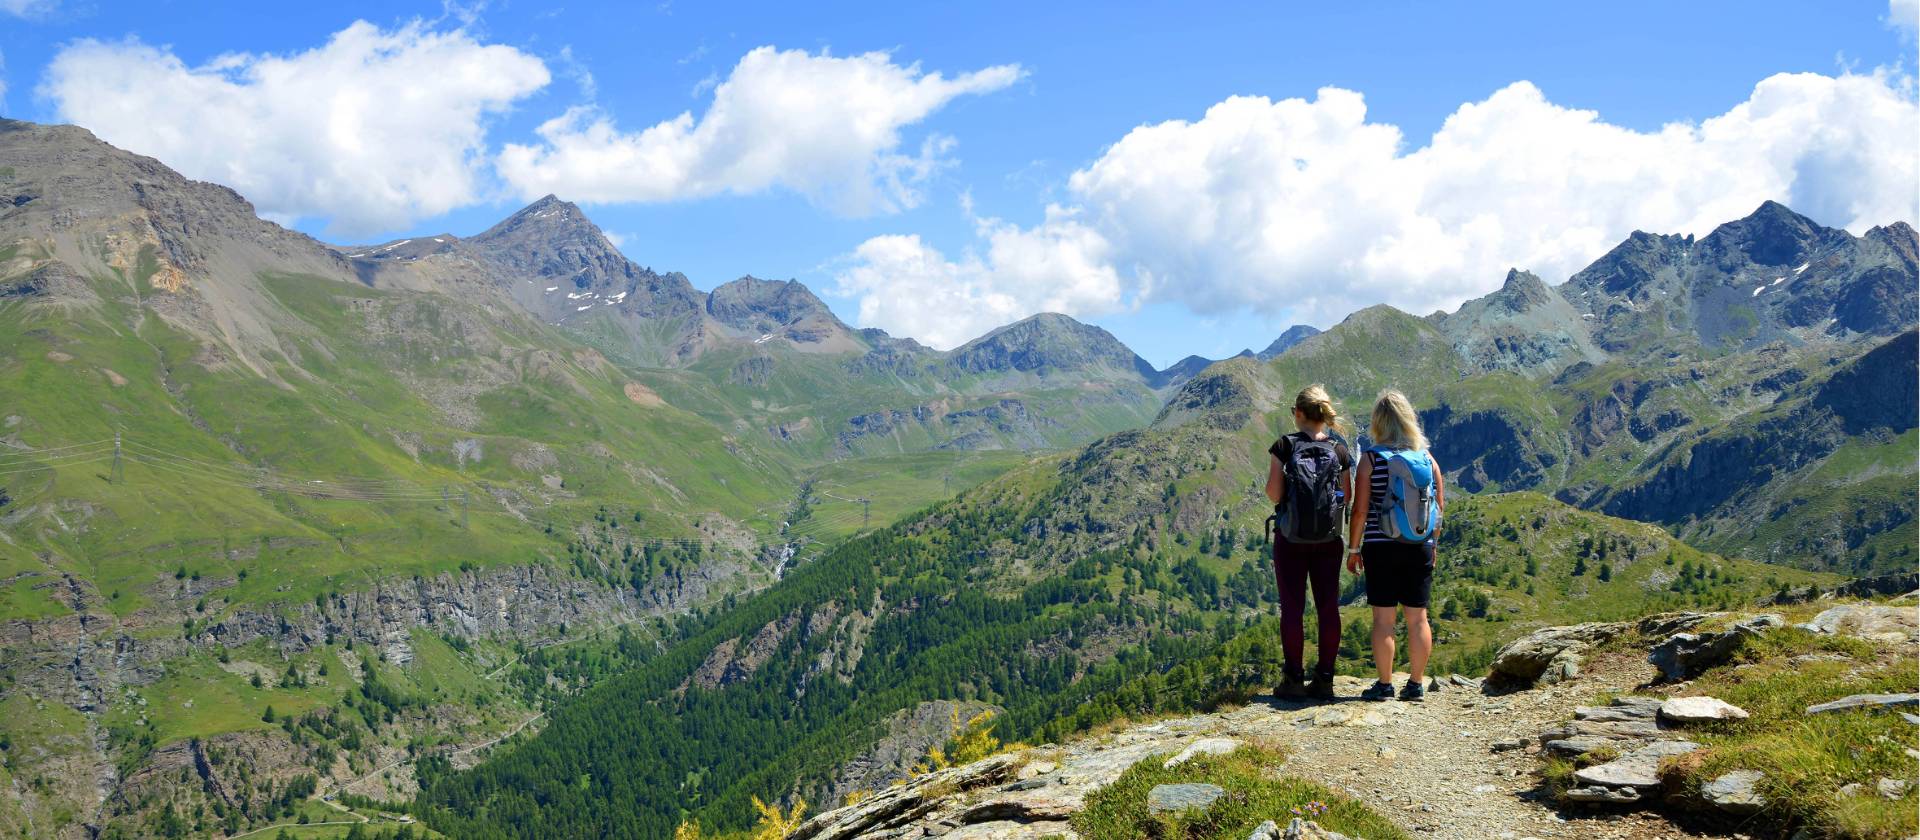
{"points": [[1294, 564]]}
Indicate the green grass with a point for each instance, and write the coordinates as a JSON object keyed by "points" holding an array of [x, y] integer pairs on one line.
{"points": [[1808, 758], [1256, 792], [197, 698], [30, 596], [896, 485]]}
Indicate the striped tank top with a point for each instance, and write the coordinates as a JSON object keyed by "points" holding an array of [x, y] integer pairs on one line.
{"points": [[1377, 480]]}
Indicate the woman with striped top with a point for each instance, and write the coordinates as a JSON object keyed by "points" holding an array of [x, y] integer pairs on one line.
{"points": [[1399, 574]]}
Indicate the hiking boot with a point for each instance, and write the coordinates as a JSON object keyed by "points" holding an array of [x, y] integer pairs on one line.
{"points": [[1291, 687], [1413, 692], [1377, 692], [1321, 688]]}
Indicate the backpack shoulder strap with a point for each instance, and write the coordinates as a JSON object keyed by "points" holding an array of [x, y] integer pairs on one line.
{"points": [[1282, 448]]}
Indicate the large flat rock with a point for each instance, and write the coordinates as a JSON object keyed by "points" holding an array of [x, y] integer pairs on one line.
{"points": [[1896, 624], [1637, 769], [1186, 796], [1700, 710]]}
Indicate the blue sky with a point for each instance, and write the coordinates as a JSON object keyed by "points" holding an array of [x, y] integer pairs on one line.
{"points": [[1204, 237]]}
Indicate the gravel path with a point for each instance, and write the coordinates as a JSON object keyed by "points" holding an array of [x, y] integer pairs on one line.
{"points": [[1431, 765]]}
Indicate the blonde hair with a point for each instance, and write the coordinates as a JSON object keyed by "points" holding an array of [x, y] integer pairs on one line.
{"points": [[1394, 423], [1315, 405]]}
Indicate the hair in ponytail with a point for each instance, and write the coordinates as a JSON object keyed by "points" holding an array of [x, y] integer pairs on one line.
{"points": [[1316, 406]]}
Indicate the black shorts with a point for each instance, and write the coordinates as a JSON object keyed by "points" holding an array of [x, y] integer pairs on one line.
{"points": [[1398, 574]]}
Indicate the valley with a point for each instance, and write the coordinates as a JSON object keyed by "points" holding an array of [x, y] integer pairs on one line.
{"points": [[289, 527]]}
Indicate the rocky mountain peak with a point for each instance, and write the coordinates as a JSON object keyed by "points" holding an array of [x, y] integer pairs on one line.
{"points": [[786, 308], [1523, 290], [1226, 395], [1293, 335], [550, 222], [1046, 344], [1523, 327], [1899, 237], [751, 303], [571, 266], [1771, 236]]}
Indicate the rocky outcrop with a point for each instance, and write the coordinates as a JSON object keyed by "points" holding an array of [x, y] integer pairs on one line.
{"points": [[1683, 655], [1492, 448], [1549, 655], [907, 737], [1875, 391], [1867, 621], [1523, 327]]}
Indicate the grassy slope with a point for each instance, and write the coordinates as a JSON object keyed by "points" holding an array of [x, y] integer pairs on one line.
{"points": [[349, 401]]}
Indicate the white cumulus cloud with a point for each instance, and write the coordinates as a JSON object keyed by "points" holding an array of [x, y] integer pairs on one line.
{"points": [[828, 127], [1904, 16], [906, 284], [371, 130], [1305, 209]]}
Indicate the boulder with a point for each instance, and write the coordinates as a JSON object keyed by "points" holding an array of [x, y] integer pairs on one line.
{"points": [[1685, 655], [1699, 710], [1204, 746], [1188, 796], [1637, 769], [1895, 624], [1891, 788], [1268, 830], [1549, 655], [1865, 701], [1611, 796], [1734, 792]]}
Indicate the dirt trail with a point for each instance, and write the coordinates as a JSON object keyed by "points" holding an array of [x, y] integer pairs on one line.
{"points": [[1431, 766]]}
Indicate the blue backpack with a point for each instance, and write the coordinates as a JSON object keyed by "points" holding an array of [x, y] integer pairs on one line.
{"points": [[1410, 513]]}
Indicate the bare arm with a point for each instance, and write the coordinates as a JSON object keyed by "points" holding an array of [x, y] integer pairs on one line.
{"points": [[1357, 519], [1276, 488]]}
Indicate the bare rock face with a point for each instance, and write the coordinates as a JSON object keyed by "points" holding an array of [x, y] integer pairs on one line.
{"points": [[1685, 654], [1885, 623], [910, 733], [1549, 655]]}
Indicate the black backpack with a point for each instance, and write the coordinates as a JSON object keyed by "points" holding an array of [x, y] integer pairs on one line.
{"points": [[1312, 511]]}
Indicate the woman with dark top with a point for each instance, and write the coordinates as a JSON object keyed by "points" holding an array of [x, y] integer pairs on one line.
{"points": [[1399, 573], [1296, 563]]}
